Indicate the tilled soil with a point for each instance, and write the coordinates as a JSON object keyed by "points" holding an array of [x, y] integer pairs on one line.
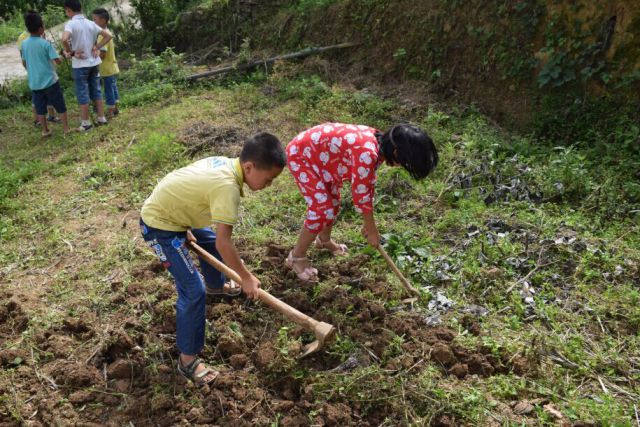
{"points": [[120, 368]]}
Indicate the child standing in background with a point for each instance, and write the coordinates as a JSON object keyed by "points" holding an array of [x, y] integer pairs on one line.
{"points": [[37, 57], [52, 117], [109, 68], [80, 43]]}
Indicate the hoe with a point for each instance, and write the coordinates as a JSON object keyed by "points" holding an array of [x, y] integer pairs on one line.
{"points": [[323, 332]]}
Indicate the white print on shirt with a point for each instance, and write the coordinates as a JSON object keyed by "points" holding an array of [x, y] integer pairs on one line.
{"points": [[366, 158], [321, 197], [361, 189], [324, 157], [363, 172]]}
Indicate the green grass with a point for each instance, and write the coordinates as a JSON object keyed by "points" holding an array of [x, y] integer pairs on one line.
{"points": [[582, 326]]}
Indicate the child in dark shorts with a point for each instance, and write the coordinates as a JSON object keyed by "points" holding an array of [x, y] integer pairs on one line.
{"points": [[37, 56]]}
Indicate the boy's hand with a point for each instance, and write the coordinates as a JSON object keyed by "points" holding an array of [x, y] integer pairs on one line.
{"points": [[191, 237], [372, 235], [250, 285], [95, 51]]}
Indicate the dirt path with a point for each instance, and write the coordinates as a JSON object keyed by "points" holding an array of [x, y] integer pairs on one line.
{"points": [[10, 63]]}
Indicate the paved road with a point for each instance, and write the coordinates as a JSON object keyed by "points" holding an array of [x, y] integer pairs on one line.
{"points": [[10, 63]]}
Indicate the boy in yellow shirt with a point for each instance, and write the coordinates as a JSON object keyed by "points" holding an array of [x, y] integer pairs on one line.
{"points": [[184, 205], [109, 67]]}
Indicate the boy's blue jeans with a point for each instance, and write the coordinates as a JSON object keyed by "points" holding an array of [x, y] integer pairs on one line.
{"points": [[111, 95], [87, 82], [170, 248]]}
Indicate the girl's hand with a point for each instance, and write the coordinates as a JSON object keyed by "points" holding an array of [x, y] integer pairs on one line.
{"points": [[372, 235], [250, 285]]}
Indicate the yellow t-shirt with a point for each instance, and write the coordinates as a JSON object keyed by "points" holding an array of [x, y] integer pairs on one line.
{"points": [[22, 37], [196, 196], [109, 65]]}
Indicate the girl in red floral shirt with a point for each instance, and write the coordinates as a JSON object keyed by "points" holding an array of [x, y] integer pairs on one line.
{"points": [[322, 158]]}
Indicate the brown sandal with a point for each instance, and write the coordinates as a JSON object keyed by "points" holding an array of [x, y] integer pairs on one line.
{"points": [[189, 371]]}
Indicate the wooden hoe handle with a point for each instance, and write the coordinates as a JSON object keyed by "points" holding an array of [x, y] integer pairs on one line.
{"points": [[264, 296], [395, 269]]}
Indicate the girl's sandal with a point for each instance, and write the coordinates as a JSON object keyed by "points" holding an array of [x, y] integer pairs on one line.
{"points": [[307, 274], [230, 289], [340, 251], [189, 372]]}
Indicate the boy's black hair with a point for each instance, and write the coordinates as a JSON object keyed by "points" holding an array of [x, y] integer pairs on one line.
{"points": [[265, 151], [102, 13], [74, 5], [33, 21], [411, 147]]}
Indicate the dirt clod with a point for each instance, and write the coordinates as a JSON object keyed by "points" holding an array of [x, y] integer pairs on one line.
{"points": [[442, 353], [297, 420], [119, 369], [81, 396], [460, 370], [337, 414], [76, 375], [265, 354], [238, 361], [229, 344]]}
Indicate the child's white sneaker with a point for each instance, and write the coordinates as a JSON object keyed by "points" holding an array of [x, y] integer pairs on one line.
{"points": [[84, 127]]}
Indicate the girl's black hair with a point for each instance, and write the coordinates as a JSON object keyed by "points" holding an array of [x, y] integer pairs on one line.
{"points": [[411, 147]]}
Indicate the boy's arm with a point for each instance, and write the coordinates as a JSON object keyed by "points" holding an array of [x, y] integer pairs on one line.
{"points": [[53, 55], [66, 43], [106, 38], [231, 258]]}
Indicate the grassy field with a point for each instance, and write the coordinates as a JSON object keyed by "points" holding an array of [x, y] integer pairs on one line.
{"points": [[526, 255]]}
